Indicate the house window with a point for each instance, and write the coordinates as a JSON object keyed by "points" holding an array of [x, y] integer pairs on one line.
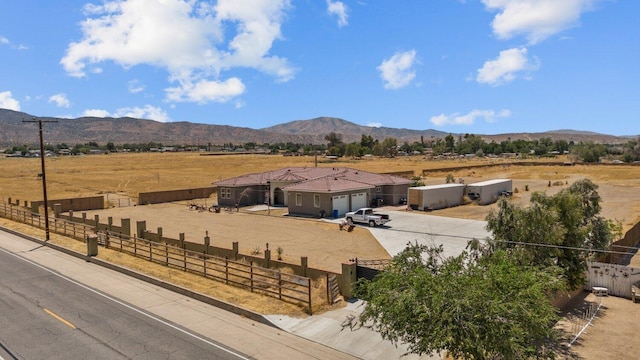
{"points": [[228, 193], [223, 194], [298, 199], [378, 189], [316, 200]]}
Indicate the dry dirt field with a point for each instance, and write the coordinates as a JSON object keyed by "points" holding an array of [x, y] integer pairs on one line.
{"points": [[122, 176]]}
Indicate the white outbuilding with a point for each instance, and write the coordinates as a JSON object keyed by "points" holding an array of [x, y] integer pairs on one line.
{"points": [[488, 192], [433, 197]]}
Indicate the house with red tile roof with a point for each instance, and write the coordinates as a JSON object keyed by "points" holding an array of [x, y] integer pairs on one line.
{"points": [[313, 191]]}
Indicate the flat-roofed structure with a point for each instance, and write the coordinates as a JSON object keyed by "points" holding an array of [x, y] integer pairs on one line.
{"points": [[433, 197], [489, 191]]}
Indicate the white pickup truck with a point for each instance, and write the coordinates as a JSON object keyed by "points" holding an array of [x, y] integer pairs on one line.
{"points": [[367, 216]]}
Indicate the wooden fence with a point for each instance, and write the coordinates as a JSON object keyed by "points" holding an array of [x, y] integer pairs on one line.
{"points": [[286, 287]]}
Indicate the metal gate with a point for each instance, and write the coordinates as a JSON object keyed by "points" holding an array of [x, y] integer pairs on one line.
{"points": [[368, 269]]}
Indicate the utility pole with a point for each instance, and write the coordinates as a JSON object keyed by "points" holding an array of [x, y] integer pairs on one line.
{"points": [[44, 175]]}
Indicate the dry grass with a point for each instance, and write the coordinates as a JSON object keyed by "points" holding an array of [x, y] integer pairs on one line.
{"points": [[252, 301], [125, 175], [130, 174]]}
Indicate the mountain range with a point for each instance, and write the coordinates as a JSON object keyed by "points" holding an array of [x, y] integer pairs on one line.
{"points": [[14, 131]]}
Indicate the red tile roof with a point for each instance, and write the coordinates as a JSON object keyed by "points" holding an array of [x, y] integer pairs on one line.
{"points": [[319, 179]]}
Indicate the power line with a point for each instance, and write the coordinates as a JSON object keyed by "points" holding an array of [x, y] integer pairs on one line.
{"points": [[470, 238]]}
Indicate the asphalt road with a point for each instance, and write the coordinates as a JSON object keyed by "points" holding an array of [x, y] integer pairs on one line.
{"points": [[44, 315]]}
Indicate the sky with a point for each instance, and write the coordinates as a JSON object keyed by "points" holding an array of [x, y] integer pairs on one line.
{"points": [[459, 66]]}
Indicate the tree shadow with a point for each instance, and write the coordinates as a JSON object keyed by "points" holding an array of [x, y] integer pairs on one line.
{"points": [[574, 315]]}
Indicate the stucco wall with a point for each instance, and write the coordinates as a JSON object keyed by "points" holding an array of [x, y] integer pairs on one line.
{"points": [[75, 204], [156, 197]]}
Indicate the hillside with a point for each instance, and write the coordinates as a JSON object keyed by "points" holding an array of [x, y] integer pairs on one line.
{"points": [[129, 130]]}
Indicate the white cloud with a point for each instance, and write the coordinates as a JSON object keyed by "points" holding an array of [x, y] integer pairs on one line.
{"points": [[535, 19], [146, 112], [397, 71], [504, 68], [60, 100], [340, 10], [204, 91], [187, 38], [375, 125], [96, 113], [5, 41], [469, 118], [8, 102], [135, 86]]}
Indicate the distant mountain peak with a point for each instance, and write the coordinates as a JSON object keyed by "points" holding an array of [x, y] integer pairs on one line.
{"points": [[130, 130]]}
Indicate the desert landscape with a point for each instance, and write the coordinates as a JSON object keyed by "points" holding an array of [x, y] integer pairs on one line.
{"points": [[120, 177]]}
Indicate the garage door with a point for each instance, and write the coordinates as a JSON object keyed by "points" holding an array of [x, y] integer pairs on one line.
{"points": [[358, 201], [341, 203]]}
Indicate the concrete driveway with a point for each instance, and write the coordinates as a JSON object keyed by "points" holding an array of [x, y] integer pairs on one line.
{"points": [[412, 226]]}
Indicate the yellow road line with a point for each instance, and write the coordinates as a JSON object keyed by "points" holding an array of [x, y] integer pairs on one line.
{"points": [[59, 318]]}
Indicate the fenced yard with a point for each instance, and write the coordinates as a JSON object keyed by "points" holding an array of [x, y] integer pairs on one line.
{"points": [[286, 287], [274, 283]]}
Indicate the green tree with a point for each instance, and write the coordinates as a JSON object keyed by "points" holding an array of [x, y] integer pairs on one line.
{"points": [[478, 305], [449, 142], [390, 147], [367, 142], [558, 233], [333, 139], [353, 150]]}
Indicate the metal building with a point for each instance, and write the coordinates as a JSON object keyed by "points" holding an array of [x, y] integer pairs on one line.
{"points": [[433, 197], [488, 192]]}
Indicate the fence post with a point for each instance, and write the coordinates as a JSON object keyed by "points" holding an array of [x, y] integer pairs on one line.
{"points": [[267, 257], [309, 293], [125, 226], [96, 219], [304, 261], [57, 210], [226, 270], [110, 223], [329, 300], [251, 273], [141, 227], [184, 259], [207, 241], [235, 251], [348, 278], [159, 234], [181, 240]]}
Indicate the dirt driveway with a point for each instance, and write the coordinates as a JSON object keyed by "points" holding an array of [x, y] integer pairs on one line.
{"points": [[323, 243]]}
